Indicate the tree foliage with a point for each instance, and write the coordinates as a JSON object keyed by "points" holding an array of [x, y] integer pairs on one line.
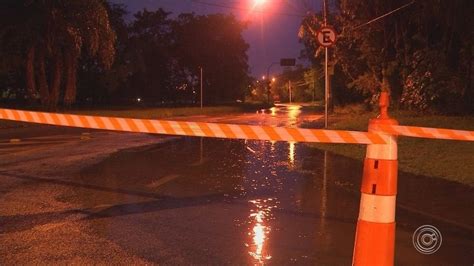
{"points": [[215, 43], [422, 54], [51, 35], [59, 50]]}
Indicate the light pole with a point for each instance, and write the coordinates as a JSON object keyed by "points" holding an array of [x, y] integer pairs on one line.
{"points": [[326, 79], [289, 90], [268, 83]]}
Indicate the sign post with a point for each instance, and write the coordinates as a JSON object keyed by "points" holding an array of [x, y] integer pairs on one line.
{"points": [[326, 37]]}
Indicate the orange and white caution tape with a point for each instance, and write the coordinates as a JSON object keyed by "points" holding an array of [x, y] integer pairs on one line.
{"points": [[194, 128], [426, 132]]}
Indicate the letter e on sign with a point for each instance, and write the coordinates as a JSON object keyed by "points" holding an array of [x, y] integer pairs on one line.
{"points": [[326, 36]]}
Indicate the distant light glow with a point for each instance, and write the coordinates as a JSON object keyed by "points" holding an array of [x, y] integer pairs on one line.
{"points": [[291, 153], [273, 111], [258, 8], [293, 113], [258, 3]]}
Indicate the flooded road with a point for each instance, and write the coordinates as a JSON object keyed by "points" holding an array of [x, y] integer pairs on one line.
{"points": [[212, 201], [242, 203]]}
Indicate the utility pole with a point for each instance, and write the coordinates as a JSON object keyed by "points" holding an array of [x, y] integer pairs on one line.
{"points": [[268, 83], [289, 90], [201, 87], [326, 60], [313, 72]]}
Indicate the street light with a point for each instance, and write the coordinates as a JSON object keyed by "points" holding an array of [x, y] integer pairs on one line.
{"points": [[258, 3]]}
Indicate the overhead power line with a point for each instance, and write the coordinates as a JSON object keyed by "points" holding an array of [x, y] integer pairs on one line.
{"points": [[245, 9], [384, 15]]}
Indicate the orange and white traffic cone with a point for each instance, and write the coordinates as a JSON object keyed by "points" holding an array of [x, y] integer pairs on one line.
{"points": [[375, 233]]}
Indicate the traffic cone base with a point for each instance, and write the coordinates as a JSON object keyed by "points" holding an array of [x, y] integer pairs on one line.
{"points": [[375, 244]]}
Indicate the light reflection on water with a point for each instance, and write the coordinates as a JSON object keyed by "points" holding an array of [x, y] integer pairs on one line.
{"points": [[272, 147], [293, 112], [291, 153], [273, 111], [259, 230]]}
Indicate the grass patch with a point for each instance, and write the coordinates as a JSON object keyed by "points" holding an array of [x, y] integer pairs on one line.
{"points": [[156, 113], [451, 160]]}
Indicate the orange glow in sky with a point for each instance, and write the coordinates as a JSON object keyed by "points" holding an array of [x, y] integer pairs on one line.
{"points": [[258, 9], [259, 6], [258, 3]]}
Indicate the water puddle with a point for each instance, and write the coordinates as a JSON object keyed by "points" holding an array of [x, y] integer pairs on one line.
{"points": [[245, 202]]}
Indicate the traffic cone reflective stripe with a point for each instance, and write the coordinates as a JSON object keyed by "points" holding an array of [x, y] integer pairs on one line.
{"points": [[380, 177], [383, 151], [377, 209]]}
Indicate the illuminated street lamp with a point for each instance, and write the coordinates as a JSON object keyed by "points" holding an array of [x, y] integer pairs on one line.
{"points": [[273, 79], [258, 3]]}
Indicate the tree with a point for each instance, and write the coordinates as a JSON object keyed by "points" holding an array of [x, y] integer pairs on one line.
{"points": [[421, 53], [156, 72], [302, 84], [97, 84], [53, 34], [314, 78], [215, 43]]}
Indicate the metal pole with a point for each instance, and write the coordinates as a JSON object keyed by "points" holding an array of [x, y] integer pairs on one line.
{"points": [[326, 89], [201, 87], [326, 79], [289, 89], [314, 83], [268, 80]]}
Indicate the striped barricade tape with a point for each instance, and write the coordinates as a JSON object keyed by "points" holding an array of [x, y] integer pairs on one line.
{"points": [[199, 129], [426, 132]]}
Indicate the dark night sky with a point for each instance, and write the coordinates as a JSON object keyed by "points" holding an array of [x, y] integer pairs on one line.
{"points": [[272, 33]]}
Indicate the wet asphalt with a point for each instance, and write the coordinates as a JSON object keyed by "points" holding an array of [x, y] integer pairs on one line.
{"points": [[219, 202]]}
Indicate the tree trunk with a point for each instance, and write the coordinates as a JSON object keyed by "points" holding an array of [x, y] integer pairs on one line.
{"points": [[55, 84], [70, 93], [30, 74], [42, 79]]}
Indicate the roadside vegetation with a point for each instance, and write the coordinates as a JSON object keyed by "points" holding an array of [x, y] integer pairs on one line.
{"points": [[156, 113], [416, 54], [451, 160], [70, 53]]}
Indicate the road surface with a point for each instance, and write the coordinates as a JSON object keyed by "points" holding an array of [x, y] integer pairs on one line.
{"points": [[94, 197]]}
